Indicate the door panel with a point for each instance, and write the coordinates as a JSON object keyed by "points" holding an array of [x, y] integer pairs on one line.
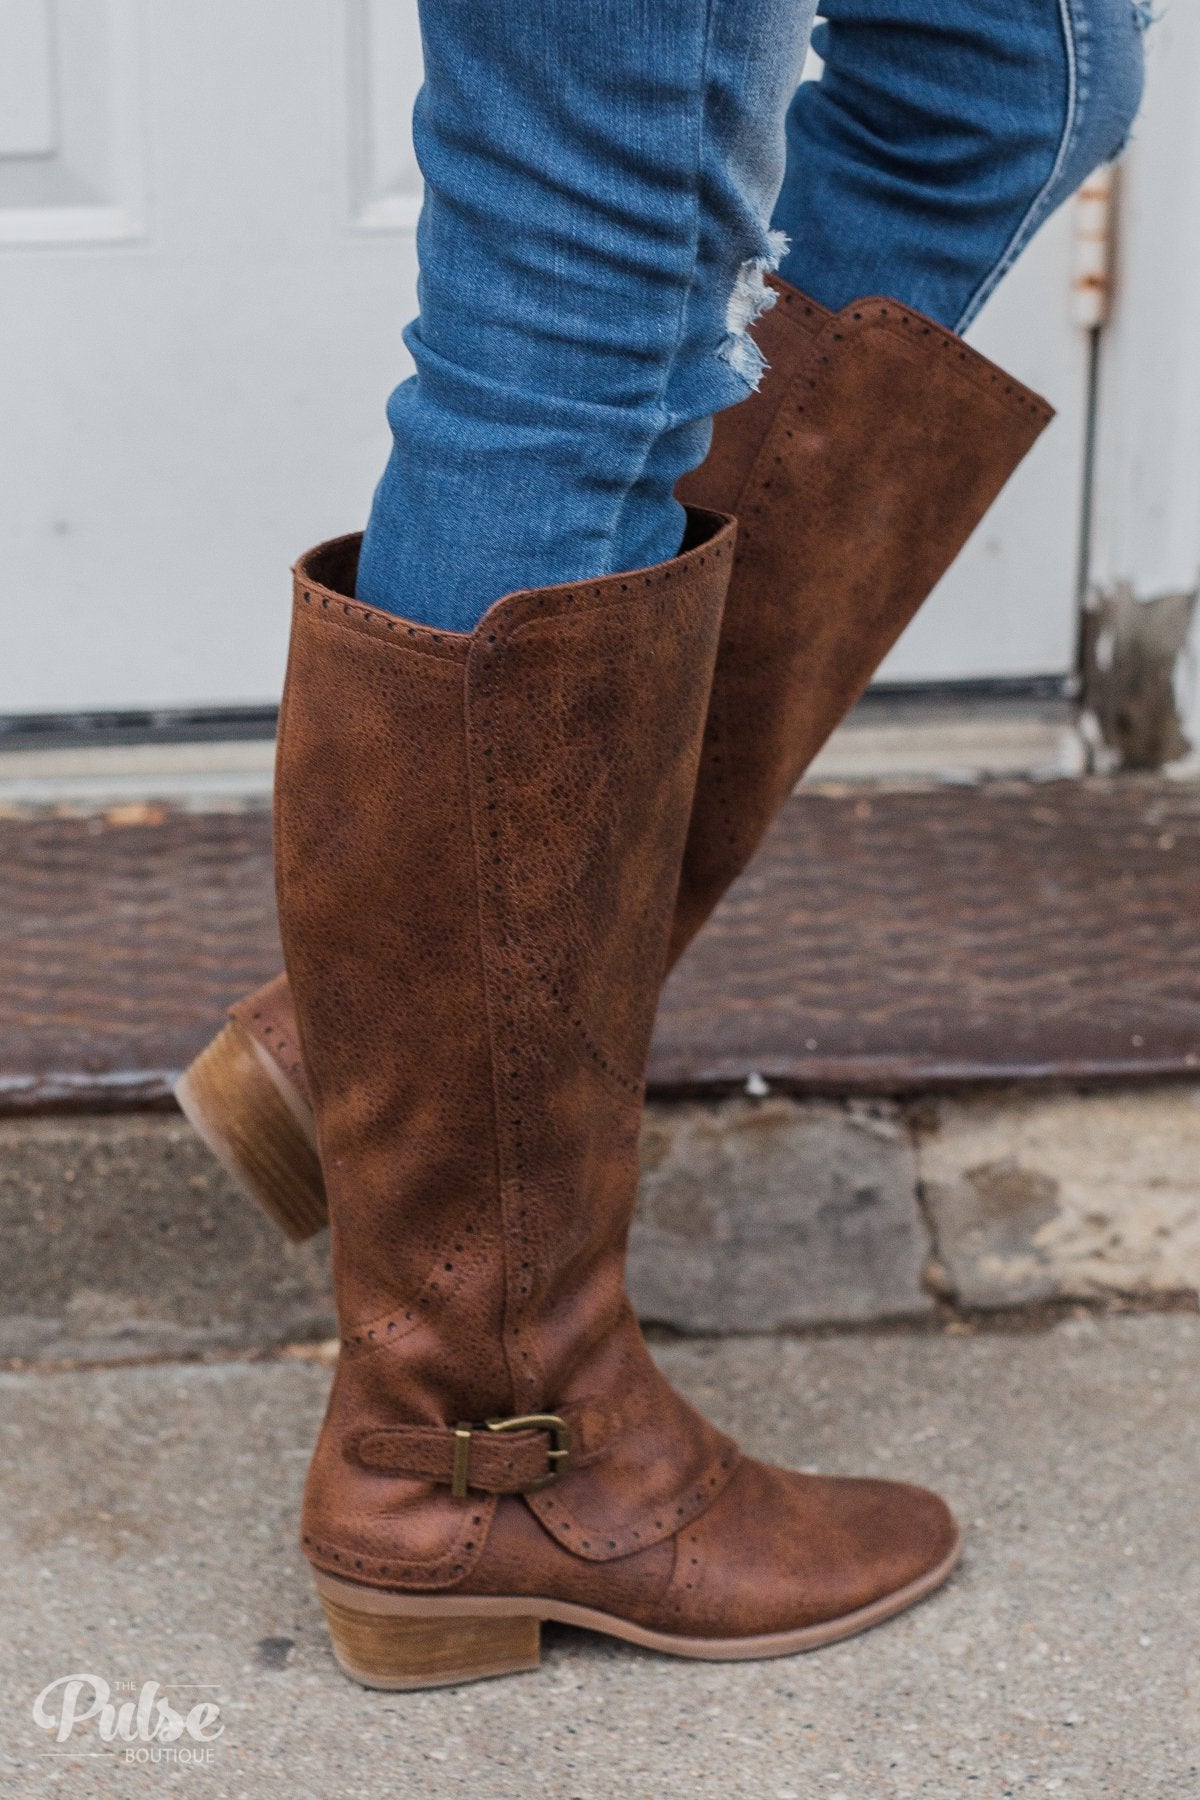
{"points": [[71, 130], [28, 121], [1008, 605], [186, 409]]}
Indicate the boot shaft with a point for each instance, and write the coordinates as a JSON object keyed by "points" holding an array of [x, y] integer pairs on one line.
{"points": [[478, 847], [857, 473]]}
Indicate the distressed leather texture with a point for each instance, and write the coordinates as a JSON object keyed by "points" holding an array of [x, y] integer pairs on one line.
{"points": [[872, 449], [478, 844], [856, 473]]}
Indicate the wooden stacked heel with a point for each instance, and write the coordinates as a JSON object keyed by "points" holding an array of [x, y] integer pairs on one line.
{"points": [[382, 1647], [235, 1100]]}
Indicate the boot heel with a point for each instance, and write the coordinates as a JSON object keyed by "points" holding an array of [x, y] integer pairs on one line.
{"points": [[389, 1650], [231, 1100]]}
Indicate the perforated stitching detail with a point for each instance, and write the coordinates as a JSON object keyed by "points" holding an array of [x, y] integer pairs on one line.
{"points": [[392, 1327], [558, 1519], [451, 666], [283, 1050], [975, 368], [524, 1373], [892, 320], [440, 1571]]}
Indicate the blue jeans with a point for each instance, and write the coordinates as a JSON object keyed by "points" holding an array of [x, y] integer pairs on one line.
{"points": [[607, 182], [941, 134]]}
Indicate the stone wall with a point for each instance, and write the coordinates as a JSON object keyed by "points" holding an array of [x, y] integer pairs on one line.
{"points": [[123, 1238]]}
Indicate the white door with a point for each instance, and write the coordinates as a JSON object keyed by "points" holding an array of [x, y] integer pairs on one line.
{"points": [[206, 259]]}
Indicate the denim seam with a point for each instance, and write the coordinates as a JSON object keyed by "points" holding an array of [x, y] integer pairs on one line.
{"points": [[660, 420], [1036, 211]]}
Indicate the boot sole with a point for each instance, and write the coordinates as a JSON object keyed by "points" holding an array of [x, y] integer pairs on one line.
{"points": [[259, 1127], [400, 1641]]}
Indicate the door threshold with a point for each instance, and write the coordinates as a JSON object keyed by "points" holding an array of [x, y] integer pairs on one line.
{"points": [[912, 736], [901, 736]]}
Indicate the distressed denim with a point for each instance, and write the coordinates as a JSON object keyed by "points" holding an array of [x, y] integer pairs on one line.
{"points": [[605, 186]]}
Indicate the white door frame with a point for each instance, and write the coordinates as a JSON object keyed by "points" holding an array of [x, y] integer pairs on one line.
{"points": [[1146, 452]]}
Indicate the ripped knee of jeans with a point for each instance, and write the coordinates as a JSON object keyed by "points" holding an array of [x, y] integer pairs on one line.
{"points": [[749, 299]]}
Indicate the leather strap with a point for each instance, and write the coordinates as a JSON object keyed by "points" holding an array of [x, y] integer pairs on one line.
{"points": [[508, 1462]]}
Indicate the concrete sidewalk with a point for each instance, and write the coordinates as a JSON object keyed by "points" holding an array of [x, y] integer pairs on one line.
{"points": [[147, 1532]]}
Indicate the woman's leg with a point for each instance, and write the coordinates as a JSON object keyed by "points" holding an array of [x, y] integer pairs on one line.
{"points": [[599, 182], [941, 134]]}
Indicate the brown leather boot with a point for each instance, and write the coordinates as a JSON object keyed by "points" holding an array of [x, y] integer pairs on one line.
{"points": [[479, 842], [874, 446]]}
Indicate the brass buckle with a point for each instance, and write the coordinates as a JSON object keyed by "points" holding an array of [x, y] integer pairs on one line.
{"points": [[559, 1456]]}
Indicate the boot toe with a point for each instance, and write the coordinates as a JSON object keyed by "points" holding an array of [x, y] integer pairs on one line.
{"points": [[779, 1551]]}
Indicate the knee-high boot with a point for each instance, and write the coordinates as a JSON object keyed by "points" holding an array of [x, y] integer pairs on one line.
{"points": [[479, 842]]}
